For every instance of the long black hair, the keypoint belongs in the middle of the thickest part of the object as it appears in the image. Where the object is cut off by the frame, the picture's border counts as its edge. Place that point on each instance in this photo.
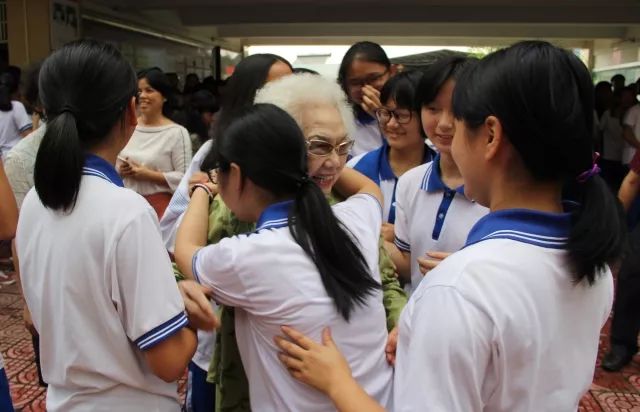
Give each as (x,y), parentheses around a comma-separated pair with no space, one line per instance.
(277,162)
(8,86)
(159,81)
(240,91)
(543,96)
(85,88)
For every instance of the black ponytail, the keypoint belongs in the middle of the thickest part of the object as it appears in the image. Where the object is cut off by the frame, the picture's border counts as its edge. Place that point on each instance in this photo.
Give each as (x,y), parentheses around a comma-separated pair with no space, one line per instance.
(85,88)
(543,97)
(277,162)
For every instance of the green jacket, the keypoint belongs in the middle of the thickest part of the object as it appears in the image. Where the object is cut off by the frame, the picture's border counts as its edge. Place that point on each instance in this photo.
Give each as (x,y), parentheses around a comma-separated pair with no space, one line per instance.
(226,370)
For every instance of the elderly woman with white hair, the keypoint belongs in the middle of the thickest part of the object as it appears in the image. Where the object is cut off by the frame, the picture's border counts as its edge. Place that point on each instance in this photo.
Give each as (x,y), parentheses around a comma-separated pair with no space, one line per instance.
(321,110)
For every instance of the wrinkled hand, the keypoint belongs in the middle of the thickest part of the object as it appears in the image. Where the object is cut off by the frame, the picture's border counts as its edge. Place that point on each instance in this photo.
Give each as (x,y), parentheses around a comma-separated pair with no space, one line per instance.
(197,305)
(321,366)
(129,168)
(431,260)
(370,100)
(388,232)
(392,346)
(28,322)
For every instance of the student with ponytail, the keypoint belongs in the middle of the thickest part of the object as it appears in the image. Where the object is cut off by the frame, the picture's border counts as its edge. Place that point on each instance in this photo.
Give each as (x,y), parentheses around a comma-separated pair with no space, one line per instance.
(306,265)
(100,287)
(497,325)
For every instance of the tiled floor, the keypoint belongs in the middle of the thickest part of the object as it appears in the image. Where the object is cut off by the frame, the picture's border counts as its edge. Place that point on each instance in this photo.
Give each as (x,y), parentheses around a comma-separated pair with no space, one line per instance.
(610,392)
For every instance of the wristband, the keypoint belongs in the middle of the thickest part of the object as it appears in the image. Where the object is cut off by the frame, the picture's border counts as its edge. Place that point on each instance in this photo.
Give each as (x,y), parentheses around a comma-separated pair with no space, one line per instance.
(205,188)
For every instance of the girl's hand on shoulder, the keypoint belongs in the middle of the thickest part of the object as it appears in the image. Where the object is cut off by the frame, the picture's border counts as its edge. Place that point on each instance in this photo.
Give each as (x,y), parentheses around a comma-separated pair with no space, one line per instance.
(431,260)
(321,366)
(196,302)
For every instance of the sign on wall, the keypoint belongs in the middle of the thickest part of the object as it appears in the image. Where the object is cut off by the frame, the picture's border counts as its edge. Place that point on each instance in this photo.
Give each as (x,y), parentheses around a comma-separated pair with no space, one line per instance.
(65,22)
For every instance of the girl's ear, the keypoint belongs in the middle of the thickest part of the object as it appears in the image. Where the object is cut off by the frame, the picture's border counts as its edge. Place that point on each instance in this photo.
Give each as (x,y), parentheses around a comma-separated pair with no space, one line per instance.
(495,136)
(236,179)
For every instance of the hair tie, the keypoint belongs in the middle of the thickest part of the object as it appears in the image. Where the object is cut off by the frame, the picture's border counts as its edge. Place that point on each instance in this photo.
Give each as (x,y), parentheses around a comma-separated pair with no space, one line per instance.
(588,174)
(67,109)
(302,181)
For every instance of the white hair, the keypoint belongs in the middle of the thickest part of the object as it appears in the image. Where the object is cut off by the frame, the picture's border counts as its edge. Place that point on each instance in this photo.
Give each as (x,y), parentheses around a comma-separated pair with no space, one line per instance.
(292,93)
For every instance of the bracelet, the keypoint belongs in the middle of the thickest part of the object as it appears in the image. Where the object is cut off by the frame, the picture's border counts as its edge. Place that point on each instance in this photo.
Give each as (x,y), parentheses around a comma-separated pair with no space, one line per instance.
(204,187)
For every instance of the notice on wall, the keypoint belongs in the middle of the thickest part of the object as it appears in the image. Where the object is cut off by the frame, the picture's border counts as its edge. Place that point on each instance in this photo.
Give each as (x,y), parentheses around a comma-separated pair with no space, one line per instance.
(65,22)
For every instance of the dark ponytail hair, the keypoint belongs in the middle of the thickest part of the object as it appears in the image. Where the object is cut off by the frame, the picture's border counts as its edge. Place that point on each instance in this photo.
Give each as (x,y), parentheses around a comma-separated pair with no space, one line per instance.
(277,162)
(240,91)
(543,96)
(85,88)
(8,86)
(159,81)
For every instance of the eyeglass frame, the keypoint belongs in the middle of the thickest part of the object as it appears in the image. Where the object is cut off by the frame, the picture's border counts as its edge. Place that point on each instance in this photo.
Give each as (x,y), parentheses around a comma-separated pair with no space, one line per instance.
(392,114)
(334,147)
(355,83)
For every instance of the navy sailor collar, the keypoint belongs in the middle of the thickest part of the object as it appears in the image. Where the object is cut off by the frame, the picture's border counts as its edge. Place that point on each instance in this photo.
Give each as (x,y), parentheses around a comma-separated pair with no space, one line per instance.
(376,166)
(544,229)
(432,181)
(275,216)
(97,166)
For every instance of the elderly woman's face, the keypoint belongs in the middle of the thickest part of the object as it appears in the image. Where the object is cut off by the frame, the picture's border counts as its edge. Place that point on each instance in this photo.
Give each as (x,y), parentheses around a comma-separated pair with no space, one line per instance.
(323,123)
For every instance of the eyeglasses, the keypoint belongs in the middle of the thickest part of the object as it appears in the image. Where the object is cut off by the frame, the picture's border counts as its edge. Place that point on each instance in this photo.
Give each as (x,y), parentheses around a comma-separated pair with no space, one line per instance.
(319,147)
(384,115)
(370,79)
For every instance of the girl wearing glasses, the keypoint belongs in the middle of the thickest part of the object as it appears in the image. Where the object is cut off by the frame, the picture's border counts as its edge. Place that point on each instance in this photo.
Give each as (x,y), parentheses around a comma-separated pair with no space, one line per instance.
(404,148)
(433,214)
(303,265)
(512,321)
(365,68)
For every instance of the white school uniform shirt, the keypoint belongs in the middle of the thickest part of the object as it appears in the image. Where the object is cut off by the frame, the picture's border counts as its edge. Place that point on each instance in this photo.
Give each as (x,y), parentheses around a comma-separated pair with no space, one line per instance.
(375,165)
(12,124)
(180,199)
(100,290)
(367,136)
(430,216)
(500,325)
(271,282)
(166,149)
(631,119)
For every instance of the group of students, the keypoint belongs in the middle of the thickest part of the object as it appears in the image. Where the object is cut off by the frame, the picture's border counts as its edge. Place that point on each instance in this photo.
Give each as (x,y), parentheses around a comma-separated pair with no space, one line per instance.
(504,211)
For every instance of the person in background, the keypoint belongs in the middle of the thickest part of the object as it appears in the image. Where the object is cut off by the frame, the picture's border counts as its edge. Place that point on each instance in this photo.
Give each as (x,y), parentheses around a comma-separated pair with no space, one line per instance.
(630,125)
(200,117)
(433,212)
(106,271)
(365,68)
(617,82)
(15,123)
(614,148)
(8,224)
(404,147)
(495,325)
(625,325)
(159,152)
(32,98)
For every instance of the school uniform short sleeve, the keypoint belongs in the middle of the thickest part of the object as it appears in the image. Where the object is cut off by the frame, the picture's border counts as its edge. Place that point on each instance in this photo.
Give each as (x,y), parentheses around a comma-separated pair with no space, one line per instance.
(12,124)
(496,324)
(151,310)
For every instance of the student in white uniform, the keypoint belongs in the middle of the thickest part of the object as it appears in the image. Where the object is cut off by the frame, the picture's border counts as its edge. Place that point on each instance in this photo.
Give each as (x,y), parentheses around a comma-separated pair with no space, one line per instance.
(301,266)
(512,321)
(404,148)
(433,214)
(365,68)
(100,287)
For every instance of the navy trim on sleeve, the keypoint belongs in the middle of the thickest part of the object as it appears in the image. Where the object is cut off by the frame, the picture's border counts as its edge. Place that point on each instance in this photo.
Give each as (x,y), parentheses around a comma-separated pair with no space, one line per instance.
(162,332)
(194,266)
(402,245)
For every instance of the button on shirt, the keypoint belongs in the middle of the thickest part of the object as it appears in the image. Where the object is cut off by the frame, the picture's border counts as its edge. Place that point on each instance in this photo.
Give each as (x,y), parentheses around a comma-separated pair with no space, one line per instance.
(101,290)
(271,281)
(501,325)
(430,216)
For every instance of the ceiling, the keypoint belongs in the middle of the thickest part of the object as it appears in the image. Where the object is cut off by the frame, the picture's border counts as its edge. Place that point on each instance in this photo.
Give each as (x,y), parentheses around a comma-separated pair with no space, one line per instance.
(236,23)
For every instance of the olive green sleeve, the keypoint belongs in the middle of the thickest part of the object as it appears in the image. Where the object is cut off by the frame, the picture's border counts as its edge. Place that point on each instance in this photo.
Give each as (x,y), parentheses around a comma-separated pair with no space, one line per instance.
(393,296)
